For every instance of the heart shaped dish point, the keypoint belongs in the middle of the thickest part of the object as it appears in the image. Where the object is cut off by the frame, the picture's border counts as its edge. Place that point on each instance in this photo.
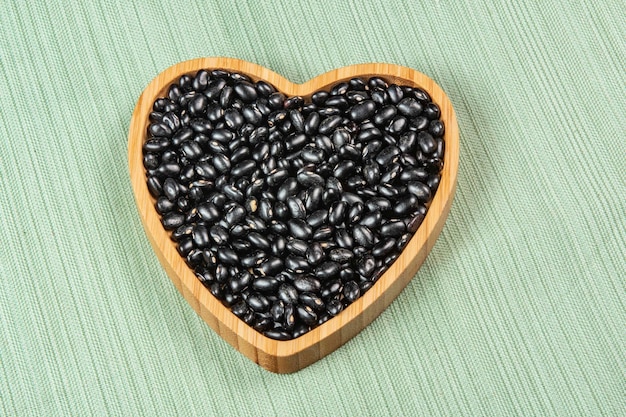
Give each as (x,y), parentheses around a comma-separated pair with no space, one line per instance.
(286,356)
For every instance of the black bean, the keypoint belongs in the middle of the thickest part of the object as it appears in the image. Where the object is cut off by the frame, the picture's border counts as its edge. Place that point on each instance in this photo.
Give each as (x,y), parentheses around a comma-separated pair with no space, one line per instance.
(309,178)
(372,219)
(312,123)
(362,111)
(327,270)
(228,256)
(344,239)
(366,266)
(245,91)
(334,307)
(311,300)
(299,229)
(296,208)
(431,111)
(426,142)
(312,154)
(306,314)
(387,155)
(406,205)
(258,303)
(307,284)
(337,213)
(314,253)
(317,218)
(267,285)
(287,293)
(351,291)
(340,255)
(383,247)
(393,228)
(323,233)
(297,247)
(363,236)
(326,126)
(271,266)
(172,221)
(288,188)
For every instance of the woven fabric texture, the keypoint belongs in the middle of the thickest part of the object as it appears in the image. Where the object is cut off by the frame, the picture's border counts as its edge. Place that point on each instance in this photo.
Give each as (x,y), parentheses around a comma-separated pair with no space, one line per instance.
(520,309)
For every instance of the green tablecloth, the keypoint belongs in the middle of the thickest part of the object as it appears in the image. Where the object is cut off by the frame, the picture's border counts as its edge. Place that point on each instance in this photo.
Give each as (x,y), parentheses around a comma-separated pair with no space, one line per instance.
(519,309)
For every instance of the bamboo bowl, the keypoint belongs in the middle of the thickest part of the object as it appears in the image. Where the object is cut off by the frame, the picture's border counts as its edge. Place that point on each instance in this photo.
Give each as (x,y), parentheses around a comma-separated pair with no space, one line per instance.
(292,355)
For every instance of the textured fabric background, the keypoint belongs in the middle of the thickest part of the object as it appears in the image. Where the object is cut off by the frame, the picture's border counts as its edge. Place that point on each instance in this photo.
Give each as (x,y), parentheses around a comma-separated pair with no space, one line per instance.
(519,309)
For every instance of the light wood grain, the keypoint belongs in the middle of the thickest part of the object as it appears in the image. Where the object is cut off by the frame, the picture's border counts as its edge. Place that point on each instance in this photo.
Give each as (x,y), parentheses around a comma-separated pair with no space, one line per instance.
(290,356)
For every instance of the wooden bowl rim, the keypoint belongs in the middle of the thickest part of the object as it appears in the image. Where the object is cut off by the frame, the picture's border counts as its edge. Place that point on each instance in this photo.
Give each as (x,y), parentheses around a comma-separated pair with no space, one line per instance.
(220,318)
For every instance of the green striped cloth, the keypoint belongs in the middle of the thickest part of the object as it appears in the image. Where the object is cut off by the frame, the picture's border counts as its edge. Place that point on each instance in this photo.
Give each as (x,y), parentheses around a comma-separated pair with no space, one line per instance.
(518,310)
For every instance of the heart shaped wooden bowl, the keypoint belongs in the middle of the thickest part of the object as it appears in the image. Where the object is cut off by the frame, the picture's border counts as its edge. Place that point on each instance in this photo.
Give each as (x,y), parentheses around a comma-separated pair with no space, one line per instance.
(292,355)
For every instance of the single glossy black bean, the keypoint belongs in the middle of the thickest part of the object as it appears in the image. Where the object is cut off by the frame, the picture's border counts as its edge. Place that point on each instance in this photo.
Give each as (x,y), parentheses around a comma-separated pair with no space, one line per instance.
(331,289)
(331,195)
(240,309)
(312,123)
(344,239)
(261,152)
(334,307)
(219,234)
(295,142)
(419,190)
(369,134)
(327,270)
(296,208)
(233,193)
(317,218)
(289,321)
(363,236)
(170,188)
(277,334)
(326,126)
(271,266)
(433,182)
(307,284)
(324,143)
(168,169)
(233,119)
(276,177)
(309,178)
(410,107)
(259,241)
(299,228)
(297,247)
(279,245)
(362,111)
(431,111)
(245,91)
(388,155)
(315,253)
(395,93)
(265,210)
(164,205)
(243,168)
(393,228)
(172,221)
(258,303)
(351,291)
(420,123)
(306,314)
(366,266)
(323,233)
(227,256)
(406,205)
(221,162)
(398,125)
(287,293)
(288,188)
(200,236)
(281,211)
(340,255)
(426,142)
(311,300)
(372,219)
(235,214)
(383,247)
(436,128)
(337,213)
(266,285)
(320,97)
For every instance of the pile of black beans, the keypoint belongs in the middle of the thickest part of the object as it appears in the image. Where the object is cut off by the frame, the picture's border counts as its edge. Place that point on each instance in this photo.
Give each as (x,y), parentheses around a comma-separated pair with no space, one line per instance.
(288,209)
